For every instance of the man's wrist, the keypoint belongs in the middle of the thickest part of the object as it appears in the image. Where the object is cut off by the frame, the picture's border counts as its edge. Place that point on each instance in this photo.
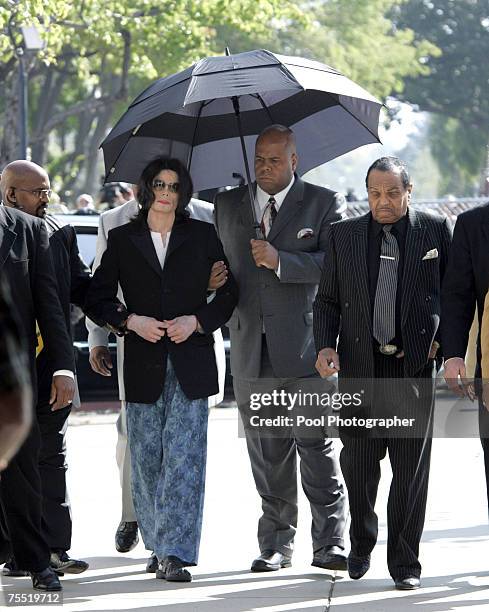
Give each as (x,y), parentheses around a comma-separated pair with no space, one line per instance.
(127,325)
(67,373)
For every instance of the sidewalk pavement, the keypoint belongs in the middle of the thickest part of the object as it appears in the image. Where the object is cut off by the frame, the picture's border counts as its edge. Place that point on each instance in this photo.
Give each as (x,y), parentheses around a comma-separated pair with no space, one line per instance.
(454,550)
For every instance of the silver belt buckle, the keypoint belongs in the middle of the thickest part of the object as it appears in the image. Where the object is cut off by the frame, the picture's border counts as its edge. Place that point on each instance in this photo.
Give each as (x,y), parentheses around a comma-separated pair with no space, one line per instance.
(388,349)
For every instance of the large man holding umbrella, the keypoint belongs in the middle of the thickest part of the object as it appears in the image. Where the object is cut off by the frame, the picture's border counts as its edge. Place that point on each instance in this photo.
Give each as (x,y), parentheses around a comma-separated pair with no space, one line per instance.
(272,347)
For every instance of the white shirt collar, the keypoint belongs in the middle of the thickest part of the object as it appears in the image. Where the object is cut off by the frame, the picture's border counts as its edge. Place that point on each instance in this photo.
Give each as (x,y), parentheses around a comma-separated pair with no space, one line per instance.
(262,197)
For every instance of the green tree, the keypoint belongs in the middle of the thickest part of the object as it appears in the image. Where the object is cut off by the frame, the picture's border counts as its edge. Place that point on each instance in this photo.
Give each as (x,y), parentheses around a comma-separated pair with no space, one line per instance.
(456,86)
(98,55)
(356,37)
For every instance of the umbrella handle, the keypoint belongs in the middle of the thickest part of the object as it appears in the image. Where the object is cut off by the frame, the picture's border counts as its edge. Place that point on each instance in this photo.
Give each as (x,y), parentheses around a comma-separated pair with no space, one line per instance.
(256,225)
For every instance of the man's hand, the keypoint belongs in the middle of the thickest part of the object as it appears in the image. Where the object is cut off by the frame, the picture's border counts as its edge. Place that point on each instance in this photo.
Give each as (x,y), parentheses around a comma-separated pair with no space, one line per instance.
(328,362)
(218,277)
(148,328)
(455,367)
(100,360)
(264,254)
(180,328)
(62,392)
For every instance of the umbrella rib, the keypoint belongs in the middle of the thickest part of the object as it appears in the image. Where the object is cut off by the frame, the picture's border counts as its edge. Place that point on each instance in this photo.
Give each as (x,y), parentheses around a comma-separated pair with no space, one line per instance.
(193,136)
(262,102)
(112,166)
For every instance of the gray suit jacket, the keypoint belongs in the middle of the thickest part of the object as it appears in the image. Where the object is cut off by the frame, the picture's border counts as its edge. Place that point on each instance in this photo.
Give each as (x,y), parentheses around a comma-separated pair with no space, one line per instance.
(281,306)
(98,336)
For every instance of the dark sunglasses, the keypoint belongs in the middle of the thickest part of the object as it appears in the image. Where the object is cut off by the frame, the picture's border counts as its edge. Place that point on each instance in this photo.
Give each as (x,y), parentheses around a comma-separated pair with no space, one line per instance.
(162,186)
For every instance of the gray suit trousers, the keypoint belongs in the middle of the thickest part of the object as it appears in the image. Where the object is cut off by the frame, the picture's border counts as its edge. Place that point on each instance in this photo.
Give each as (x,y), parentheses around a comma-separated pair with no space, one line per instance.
(274,467)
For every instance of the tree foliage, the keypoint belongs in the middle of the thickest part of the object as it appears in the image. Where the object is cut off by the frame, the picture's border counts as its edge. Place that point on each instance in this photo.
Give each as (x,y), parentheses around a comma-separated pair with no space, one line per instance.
(98,55)
(456,85)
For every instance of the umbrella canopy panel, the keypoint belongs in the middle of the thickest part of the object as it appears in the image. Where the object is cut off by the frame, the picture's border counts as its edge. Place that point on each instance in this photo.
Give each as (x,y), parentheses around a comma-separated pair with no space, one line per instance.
(191,116)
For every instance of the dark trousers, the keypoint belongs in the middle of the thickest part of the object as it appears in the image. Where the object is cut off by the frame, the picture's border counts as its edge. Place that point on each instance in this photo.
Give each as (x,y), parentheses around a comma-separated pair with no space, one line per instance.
(36,515)
(273,457)
(20,489)
(56,512)
(484,437)
(410,461)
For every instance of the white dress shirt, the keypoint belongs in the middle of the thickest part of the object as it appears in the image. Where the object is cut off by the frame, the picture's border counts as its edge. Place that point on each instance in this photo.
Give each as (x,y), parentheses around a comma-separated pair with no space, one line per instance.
(263,210)
(160,246)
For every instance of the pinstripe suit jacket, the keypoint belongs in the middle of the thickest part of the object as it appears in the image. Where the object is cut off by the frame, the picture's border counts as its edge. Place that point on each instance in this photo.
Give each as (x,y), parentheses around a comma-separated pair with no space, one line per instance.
(343,307)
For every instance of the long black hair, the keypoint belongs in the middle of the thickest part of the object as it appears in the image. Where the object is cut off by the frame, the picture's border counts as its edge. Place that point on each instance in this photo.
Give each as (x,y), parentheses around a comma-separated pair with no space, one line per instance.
(145,194)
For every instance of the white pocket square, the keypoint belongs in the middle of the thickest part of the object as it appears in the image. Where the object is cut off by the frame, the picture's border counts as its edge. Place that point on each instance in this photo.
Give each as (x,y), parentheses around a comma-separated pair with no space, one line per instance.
(433,254)
(305,232)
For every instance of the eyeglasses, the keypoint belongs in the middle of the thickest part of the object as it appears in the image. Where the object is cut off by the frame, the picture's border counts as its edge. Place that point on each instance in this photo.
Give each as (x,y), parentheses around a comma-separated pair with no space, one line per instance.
(39,193)
(162,186)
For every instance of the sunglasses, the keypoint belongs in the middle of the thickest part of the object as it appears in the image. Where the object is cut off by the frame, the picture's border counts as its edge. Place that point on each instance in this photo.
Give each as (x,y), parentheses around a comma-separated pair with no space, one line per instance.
(162,186)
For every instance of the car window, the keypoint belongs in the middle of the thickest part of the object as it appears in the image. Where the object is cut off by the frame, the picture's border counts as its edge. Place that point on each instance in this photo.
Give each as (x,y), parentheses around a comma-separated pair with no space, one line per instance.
(86,246)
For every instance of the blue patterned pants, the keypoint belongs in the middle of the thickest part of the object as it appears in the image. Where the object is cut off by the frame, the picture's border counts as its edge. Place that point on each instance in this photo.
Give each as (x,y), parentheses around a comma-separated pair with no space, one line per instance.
(168,443)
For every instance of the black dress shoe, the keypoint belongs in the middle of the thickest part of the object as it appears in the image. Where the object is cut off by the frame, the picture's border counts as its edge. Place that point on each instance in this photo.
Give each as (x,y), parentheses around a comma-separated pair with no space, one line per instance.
(11,569)
(126,536)
(152,564)
(61,563)
(47,580)
(358,566)
(330,557)
(270,561)
(172,569)
(408,583)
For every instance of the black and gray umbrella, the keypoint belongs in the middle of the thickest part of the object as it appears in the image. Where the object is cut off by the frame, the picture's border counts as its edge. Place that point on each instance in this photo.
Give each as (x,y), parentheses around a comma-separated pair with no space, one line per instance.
(210,114)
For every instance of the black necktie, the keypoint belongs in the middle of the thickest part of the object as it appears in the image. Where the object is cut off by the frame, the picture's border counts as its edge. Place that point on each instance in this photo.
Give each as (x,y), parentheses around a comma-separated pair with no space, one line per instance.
(384,321)
(273,213)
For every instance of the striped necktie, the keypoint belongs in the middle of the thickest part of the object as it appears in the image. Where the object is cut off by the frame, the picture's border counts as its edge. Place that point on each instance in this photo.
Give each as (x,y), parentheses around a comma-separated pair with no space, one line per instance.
(384,319)
(270,212)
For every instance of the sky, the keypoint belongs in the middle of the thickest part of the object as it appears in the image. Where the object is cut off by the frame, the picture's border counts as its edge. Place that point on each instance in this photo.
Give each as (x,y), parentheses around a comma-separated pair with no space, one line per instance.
(348,171)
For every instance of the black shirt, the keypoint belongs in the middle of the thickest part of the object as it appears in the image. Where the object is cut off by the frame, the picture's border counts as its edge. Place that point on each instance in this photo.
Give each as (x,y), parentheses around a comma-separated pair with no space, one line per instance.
(375,234)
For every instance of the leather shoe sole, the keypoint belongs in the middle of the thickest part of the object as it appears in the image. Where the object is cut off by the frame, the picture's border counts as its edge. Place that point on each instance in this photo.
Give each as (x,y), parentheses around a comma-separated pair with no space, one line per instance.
(409,583)
(331,562)
(262,565)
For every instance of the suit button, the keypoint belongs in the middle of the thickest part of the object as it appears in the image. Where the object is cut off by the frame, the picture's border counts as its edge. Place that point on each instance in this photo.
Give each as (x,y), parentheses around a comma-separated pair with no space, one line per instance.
(428,298)
(423,331)
(357,339)
(347,304)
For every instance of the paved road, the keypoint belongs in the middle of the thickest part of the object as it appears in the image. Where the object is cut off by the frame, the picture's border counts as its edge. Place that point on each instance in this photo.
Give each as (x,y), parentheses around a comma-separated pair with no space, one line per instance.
(454,550)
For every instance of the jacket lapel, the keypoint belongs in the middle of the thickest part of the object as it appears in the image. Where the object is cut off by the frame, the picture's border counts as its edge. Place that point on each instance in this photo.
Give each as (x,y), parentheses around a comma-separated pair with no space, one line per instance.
(245,217)
(178,236)
(141,238)
(413,252)
(7,236)
(290,207)
(359,248)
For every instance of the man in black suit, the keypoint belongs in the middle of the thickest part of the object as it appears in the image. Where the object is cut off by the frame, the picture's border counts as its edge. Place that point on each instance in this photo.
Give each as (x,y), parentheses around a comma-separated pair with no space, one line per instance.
(380,292)
(72,279)
(465,285)
(15,392)
(25,260)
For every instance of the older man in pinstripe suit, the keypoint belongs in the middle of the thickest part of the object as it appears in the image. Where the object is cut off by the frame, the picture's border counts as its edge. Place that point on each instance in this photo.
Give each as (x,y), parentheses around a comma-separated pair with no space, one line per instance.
(380,292)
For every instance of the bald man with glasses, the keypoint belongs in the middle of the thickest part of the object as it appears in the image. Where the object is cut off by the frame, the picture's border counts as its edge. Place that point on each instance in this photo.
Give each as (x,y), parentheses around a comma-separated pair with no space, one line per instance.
(42,295)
